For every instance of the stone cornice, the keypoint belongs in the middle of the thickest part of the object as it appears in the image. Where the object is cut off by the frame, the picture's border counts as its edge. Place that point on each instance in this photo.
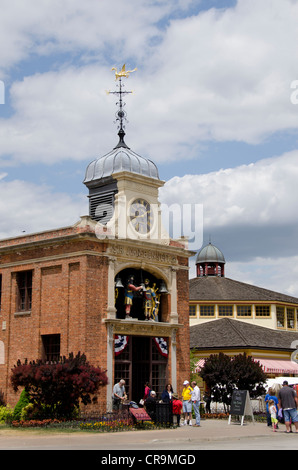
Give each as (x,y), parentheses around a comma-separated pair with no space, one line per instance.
(142,328)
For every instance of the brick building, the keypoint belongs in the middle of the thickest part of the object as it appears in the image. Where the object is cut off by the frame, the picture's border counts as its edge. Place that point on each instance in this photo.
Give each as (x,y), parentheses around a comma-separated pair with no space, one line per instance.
(63,290)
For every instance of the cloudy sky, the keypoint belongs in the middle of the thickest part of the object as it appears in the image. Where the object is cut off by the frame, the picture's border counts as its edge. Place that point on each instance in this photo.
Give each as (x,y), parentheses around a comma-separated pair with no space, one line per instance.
(214,105)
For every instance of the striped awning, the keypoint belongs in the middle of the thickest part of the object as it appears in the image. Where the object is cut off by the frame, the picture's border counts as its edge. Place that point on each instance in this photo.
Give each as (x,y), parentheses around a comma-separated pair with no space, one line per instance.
(199,364)
(269,366)
(275,366)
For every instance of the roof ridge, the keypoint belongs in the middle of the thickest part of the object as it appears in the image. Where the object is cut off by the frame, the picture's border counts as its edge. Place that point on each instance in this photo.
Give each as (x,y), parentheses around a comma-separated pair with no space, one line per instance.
(234,326)
(260,288)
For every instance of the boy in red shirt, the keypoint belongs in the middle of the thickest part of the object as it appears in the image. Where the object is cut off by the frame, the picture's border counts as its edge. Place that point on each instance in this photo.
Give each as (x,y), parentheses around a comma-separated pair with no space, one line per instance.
(177,407)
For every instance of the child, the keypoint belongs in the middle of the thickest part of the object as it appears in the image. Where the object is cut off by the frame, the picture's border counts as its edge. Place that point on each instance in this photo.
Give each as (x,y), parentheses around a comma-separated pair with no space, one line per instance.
(177,407)
(273,413)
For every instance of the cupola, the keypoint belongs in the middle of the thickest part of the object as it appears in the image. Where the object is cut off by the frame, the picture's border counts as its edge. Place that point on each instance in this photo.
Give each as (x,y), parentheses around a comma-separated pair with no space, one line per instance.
(210,261)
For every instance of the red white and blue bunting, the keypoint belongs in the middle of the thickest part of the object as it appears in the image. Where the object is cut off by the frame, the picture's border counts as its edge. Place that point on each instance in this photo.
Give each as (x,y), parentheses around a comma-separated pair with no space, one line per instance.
(121,342)
(162,346)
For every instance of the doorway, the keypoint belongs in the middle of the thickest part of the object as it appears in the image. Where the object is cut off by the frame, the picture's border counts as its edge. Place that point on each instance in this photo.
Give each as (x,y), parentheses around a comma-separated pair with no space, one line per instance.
(141,362)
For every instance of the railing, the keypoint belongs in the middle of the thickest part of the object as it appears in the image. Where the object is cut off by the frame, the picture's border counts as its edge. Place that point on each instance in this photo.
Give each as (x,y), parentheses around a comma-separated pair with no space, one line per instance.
(161,414)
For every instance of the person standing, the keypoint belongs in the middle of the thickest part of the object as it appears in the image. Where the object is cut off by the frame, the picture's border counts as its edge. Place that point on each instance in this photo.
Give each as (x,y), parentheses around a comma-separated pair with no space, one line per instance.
(270,396)
(147,390)
(196,398)
(119,394)
(166,395)
(177,407)
(187,403)
(273,413)
(288,401)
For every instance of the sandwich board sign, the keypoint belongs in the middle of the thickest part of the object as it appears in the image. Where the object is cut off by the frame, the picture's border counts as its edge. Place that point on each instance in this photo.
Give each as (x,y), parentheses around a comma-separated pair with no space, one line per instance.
(241,405)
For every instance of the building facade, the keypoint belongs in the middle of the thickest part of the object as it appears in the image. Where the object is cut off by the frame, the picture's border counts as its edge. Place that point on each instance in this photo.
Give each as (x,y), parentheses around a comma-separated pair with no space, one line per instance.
(275,350)
(233,317)
(70,289)
(213,296)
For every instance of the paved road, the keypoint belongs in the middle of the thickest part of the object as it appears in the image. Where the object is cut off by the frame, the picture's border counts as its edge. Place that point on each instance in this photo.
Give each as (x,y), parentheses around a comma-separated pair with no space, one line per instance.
(212,435)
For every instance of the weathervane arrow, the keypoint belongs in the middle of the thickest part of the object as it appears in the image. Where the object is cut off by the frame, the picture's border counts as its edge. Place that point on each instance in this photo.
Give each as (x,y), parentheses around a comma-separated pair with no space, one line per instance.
(121,114)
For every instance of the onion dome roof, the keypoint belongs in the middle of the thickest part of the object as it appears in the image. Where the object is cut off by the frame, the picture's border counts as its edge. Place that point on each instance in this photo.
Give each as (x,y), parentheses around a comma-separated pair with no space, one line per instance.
(210,254)
(120,159)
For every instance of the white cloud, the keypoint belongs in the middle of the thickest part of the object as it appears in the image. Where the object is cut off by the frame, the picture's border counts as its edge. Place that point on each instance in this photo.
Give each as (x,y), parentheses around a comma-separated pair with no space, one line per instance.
(45,27)
(277,274)
(258,194)
(59,116)
(225,75)
(218,75)
(250,212)
(26,207)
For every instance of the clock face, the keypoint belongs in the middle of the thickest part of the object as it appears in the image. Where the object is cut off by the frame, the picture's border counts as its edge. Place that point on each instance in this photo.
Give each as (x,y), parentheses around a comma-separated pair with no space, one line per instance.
(141,216)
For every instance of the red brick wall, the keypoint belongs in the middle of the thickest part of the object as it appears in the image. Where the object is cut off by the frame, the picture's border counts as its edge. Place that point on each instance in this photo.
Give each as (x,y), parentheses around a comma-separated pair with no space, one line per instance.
(182,348)
(69,297)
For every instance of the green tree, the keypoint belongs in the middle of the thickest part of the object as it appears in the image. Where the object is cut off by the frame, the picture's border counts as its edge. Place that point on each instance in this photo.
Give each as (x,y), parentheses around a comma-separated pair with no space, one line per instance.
(59,387)
(24,400)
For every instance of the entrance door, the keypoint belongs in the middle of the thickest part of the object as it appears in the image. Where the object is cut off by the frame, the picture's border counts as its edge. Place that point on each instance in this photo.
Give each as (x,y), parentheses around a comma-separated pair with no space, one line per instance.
(141,362)
(140,366)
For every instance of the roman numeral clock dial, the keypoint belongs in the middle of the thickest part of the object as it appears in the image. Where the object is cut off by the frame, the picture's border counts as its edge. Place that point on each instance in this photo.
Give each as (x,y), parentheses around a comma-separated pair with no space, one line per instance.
(141,217)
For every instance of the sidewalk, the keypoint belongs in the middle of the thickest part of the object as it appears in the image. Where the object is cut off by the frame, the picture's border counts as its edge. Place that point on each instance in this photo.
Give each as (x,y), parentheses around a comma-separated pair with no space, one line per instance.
(211,431)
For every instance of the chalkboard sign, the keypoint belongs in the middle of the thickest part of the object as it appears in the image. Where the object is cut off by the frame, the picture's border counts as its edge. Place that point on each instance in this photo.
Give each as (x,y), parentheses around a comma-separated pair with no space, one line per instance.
(238,402)
(241,405)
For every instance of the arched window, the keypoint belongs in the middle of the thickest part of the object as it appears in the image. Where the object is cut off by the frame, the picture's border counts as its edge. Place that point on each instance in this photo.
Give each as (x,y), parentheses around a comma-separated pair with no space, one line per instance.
(138,298)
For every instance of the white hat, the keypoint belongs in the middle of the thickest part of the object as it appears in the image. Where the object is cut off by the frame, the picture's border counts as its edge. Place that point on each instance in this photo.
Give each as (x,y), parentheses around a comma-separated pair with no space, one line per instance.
(185,382)
(152,392)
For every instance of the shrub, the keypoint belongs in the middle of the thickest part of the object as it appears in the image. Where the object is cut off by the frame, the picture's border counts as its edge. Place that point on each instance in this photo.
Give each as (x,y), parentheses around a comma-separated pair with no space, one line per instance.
(6,414)
(57,388)
(24,400)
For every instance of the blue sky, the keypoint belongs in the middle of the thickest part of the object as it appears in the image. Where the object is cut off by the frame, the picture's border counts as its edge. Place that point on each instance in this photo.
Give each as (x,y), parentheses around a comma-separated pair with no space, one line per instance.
(212,106)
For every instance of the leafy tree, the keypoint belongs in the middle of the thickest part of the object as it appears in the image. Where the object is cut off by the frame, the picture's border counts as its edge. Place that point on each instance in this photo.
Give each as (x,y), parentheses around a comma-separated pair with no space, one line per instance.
(217,373)
(61,385)
(248,375)
(224,374)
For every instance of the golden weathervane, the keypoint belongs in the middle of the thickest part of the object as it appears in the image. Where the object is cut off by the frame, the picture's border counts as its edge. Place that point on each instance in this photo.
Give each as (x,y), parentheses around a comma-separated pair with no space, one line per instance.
(122,72)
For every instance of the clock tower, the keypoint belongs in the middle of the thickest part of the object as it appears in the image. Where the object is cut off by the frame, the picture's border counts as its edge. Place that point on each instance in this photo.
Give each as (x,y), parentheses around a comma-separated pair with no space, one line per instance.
(123,190)
(125,212)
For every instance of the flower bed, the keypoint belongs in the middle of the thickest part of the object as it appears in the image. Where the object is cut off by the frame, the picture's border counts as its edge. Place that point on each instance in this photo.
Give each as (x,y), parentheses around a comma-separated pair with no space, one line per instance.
(108,426)
(34,423)
(100,425)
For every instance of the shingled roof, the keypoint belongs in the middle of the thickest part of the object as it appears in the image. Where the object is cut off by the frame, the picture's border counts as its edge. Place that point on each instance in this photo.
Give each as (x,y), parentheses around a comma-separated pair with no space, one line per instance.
(228,333)
(216,288)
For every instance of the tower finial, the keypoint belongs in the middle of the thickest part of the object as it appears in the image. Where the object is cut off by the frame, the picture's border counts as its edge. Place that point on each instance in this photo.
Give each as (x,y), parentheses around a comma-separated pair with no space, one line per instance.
(121,114)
